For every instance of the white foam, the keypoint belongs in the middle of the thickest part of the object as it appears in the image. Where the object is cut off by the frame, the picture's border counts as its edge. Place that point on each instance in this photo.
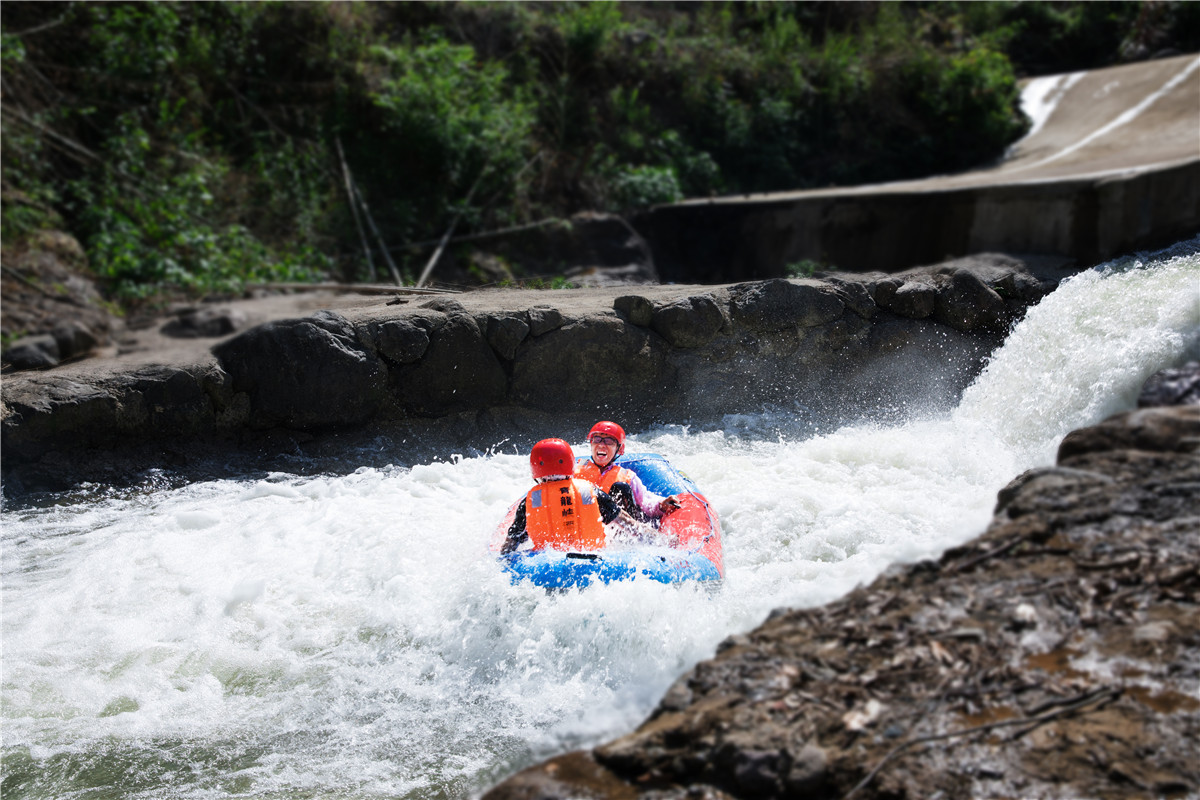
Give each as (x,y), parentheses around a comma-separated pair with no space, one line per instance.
(349,634)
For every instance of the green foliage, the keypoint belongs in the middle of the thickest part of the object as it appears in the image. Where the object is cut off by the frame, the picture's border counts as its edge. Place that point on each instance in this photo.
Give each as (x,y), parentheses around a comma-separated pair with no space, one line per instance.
(644,186)
(442,102)
(557,282)
(806,268)
(12,50)
(150,223)
(194,146)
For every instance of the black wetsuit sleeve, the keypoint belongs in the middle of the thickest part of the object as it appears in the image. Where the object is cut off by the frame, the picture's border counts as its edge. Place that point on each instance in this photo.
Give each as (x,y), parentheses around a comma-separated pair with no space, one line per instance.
(609,510)
(517,533)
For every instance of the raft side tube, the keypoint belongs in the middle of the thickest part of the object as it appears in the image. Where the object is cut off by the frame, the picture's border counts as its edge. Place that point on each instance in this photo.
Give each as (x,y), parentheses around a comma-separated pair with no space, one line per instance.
(554,569)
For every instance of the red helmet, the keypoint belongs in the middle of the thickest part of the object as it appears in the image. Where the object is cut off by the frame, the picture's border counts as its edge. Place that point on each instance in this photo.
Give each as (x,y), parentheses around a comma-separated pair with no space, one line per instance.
(552,457)
(606,428)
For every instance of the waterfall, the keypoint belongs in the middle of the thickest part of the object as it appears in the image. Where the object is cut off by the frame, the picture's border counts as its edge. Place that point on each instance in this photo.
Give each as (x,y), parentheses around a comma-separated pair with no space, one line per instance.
(289,636)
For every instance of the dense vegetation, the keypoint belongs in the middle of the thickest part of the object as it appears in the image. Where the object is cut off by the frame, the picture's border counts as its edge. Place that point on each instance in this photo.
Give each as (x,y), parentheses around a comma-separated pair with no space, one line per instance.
(196,146)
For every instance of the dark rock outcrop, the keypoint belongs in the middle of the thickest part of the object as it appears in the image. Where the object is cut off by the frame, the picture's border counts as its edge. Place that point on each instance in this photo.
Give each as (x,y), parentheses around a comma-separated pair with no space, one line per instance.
(832,345)
(53,311)
(193,323)
(459,370)
(769,306)
(1172,387)
(304,373)
(1057,655)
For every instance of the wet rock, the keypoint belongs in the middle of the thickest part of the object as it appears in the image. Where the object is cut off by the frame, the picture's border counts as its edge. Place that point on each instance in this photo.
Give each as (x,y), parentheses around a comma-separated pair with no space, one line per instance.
(505,333)
(883,290)
(1172,387)
(543,319)
(400,341)
(33,352)
(687,323)
(599,363)
(635,308)
(154,403)
(459,370)
(205,323)
(304,373)
(773,305)
(665,350)
(42,409)
(1169,429)
(966,303)
(856,295)
(912,299)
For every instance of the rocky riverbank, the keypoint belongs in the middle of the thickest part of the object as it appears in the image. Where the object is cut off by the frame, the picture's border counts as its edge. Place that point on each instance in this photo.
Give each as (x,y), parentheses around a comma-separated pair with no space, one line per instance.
(1057,655)
(833,346)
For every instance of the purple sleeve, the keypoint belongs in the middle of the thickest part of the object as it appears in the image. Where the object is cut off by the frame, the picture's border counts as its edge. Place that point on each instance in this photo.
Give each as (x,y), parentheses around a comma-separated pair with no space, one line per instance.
(647,500)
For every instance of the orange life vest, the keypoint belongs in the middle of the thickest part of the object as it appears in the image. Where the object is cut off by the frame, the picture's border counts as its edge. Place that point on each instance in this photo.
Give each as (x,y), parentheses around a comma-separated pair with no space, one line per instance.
(589,472)
(563,515)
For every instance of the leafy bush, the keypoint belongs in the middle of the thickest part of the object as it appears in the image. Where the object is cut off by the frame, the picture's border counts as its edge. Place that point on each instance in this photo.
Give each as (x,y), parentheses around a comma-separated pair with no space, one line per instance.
(149,222)
(644,186)
(195,146)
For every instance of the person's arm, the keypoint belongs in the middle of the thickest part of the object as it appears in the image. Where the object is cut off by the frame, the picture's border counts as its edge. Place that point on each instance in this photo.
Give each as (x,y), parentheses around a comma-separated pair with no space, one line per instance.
(651,504)
(611,512)
(609,509)
(517,533)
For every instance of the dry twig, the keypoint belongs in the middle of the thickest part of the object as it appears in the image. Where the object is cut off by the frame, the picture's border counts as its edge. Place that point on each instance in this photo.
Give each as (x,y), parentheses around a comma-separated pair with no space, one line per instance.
(1084,700)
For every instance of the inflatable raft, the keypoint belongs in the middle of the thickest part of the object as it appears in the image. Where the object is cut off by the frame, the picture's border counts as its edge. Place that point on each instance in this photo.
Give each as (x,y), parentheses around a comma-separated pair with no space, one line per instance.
(687,546)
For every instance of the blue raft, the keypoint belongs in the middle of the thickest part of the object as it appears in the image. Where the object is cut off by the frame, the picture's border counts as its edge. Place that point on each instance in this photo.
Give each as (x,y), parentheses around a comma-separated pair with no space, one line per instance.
(690,549)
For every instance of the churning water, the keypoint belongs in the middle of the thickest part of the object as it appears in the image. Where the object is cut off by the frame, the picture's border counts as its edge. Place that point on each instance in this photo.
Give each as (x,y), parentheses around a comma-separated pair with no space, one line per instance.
(347,635)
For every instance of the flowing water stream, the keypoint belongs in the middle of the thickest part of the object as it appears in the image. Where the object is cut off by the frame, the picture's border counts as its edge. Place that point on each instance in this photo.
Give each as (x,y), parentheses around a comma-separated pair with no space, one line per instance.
(346,634)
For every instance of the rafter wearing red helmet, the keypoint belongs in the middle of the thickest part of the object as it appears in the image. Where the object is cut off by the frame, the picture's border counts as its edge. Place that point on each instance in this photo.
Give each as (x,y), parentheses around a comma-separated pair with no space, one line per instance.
(607,441)
(561,512)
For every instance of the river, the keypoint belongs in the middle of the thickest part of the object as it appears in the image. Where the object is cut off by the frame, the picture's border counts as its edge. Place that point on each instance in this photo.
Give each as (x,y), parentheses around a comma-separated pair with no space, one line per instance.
(346,634)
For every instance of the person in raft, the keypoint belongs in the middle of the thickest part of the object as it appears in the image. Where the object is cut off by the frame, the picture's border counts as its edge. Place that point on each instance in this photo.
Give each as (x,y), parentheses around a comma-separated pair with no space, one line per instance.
(562,512)
(607,440)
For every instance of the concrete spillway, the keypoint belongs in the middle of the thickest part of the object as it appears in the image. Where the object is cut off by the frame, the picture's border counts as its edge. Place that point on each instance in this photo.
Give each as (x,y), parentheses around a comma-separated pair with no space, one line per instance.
(1111,164)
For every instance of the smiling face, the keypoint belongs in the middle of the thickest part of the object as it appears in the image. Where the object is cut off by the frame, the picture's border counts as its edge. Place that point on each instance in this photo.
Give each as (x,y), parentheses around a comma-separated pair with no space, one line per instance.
(604,449)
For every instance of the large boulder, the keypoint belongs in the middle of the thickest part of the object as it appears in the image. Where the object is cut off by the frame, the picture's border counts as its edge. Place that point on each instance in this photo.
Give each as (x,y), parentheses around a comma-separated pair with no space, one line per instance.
(769,306)
(205,322)
(1172,387)
(596,364)
(48,292)
(307,373)
(399,341)
(47,412)
(690,322)
(458,371)
(967,303)
(912,299)
(1161,429)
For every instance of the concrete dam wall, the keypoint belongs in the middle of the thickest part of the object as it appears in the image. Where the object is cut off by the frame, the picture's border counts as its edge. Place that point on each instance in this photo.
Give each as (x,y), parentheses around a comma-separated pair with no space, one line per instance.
(1111,165)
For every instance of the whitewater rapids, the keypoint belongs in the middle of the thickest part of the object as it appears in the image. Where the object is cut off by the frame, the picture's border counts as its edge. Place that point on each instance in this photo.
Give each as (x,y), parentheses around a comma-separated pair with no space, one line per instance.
(347,634)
